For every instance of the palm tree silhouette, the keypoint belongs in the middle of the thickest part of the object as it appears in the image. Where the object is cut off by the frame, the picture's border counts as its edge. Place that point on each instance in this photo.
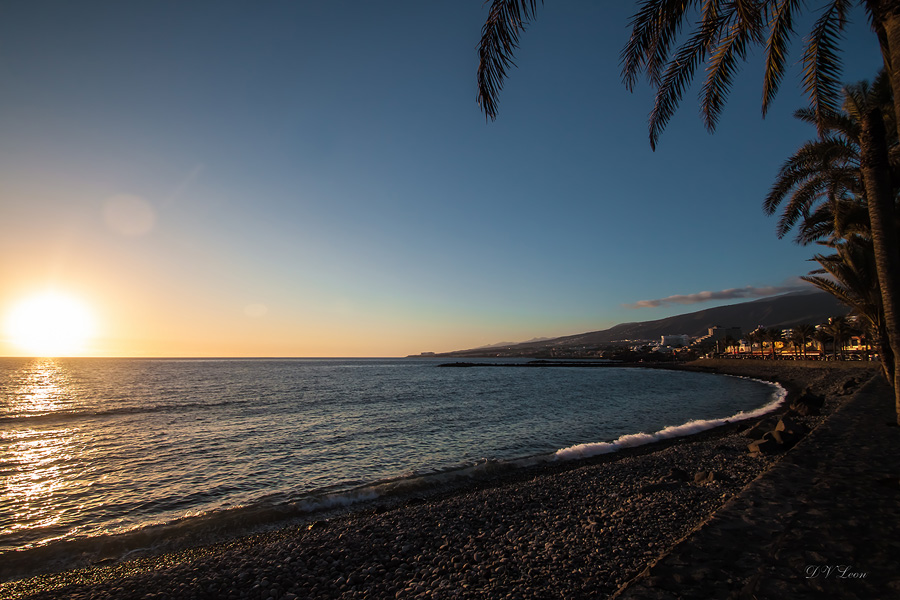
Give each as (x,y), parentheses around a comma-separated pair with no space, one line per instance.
(821,185)
(839,330)
(760,335)
(801,335)
(773,336)
(852,279)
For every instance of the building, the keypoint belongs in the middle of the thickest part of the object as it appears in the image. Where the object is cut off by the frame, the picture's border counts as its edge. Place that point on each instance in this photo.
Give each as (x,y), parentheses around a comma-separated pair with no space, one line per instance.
(675,340)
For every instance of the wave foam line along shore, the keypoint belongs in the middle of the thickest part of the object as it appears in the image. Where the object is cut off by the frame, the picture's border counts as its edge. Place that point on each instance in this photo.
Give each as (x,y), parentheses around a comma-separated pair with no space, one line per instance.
(576,529)
(632,440)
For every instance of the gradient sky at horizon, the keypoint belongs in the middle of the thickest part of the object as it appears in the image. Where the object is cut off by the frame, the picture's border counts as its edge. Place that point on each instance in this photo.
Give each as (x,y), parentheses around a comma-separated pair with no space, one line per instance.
(316,179)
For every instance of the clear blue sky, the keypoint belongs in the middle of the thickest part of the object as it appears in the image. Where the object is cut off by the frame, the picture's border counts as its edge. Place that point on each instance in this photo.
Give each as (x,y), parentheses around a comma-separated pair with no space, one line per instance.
(316,178)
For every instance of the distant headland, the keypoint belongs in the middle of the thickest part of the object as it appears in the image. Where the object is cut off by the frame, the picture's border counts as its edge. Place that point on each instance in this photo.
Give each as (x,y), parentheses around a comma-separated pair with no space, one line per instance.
(735,320)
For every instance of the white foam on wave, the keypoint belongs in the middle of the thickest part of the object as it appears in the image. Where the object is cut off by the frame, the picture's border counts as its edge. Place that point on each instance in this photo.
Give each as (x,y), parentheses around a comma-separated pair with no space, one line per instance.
(672,431)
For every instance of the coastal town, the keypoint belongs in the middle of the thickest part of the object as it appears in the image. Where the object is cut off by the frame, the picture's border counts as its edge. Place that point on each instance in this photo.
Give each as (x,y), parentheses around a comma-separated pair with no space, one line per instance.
(838,338)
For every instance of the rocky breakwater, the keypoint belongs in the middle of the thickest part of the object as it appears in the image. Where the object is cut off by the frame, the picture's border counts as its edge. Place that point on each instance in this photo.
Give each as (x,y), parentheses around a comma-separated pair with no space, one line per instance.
(570,530)
(781,433)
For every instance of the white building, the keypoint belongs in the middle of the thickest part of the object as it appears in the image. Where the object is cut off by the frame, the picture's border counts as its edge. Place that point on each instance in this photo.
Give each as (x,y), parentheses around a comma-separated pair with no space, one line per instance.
(675,340)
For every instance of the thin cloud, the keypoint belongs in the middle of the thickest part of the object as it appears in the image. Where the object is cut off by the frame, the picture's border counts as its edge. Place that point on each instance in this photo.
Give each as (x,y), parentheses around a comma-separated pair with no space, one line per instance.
(731,294)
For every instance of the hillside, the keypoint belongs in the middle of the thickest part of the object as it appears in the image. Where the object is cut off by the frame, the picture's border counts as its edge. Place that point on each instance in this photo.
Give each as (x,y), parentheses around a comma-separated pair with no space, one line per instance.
(778,312)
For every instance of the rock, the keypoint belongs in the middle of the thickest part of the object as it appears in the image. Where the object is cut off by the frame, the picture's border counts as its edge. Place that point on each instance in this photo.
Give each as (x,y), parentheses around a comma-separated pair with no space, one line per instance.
(803,409)
(788,425)
(659,486)
(757,431)
(812,399)
(785,424)
(849,385)
(676,474)
(808,404)
(766,445)
(890,482)
(710,476)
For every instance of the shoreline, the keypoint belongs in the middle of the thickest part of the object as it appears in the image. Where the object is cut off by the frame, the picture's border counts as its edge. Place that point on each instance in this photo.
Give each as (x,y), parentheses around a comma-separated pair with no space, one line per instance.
(580,528)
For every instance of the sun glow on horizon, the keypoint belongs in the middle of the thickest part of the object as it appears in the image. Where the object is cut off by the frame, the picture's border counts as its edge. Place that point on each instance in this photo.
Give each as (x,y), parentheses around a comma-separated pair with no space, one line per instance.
(51,324)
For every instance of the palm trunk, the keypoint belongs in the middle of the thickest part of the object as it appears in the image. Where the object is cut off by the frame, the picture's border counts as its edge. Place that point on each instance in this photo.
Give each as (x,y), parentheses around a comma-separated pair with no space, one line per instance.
(875,171)
(887,365)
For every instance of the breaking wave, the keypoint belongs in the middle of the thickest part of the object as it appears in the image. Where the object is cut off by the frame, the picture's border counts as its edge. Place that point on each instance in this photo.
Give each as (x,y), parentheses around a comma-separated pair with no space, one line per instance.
(631,440)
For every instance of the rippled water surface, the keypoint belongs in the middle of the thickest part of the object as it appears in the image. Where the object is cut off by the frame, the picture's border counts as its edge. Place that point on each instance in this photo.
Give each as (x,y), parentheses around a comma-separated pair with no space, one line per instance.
(93,447)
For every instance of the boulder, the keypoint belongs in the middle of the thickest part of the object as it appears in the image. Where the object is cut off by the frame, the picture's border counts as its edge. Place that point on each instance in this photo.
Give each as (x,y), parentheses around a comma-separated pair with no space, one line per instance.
(659,486)
(676,474)
(808,403)
(849,385)
(757,431)
(786,433)
(775,435)
(766,445)
(785,439)
(709,476)
(805,407)
(792,427)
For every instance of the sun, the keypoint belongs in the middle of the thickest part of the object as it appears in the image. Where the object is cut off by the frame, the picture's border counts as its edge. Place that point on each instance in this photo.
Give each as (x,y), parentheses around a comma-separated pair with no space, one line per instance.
(51,324)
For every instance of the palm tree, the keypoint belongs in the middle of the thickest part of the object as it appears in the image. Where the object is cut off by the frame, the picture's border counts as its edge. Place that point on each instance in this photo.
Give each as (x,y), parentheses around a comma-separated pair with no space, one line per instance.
(851,278)
(721,38)
(821,337)
(760,335)
(839,330)
(800,336)
(728,342)
(773,336)
(752,337)
(828,171)
(821,186)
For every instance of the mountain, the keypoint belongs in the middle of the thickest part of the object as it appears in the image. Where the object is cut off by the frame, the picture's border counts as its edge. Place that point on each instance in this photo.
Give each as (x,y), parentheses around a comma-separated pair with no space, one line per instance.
(507,344)
(778,312)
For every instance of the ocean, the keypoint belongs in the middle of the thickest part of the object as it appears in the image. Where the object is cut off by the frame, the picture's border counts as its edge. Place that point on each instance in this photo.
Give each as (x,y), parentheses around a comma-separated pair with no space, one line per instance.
(103,459)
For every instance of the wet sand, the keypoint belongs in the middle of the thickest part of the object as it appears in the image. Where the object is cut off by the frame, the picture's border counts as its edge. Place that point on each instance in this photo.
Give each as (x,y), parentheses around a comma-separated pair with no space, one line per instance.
(626,523)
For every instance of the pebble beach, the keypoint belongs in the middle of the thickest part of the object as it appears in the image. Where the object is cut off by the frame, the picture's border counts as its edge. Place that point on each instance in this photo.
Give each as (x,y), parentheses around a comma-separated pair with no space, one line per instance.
(689,517)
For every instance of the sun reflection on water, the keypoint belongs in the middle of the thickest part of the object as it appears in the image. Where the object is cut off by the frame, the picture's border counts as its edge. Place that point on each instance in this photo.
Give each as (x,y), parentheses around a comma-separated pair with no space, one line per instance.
(42,389)
(34,458)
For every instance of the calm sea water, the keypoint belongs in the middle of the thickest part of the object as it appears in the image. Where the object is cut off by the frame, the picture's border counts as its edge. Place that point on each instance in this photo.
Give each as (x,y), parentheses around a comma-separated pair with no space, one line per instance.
(103,457)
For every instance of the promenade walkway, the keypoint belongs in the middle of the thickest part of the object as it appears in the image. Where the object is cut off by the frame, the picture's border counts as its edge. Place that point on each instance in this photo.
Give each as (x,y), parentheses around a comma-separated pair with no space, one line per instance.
(823,522)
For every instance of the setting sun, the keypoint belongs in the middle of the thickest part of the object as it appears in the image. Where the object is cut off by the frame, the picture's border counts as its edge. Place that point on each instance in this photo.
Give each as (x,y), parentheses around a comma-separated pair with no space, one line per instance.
(50,324)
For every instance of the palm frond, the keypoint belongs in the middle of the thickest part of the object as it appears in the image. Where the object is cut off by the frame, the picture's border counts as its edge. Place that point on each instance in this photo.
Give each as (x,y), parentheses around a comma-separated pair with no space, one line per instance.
(853,278)
(781,28)
(801,201)
(743,27)
(831,122)
(750,14)
(793,172)
(821,63)
(654,28)
(833,156)
(837,290)
(817,227)
(844,216)
(499,41)
(677,77)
